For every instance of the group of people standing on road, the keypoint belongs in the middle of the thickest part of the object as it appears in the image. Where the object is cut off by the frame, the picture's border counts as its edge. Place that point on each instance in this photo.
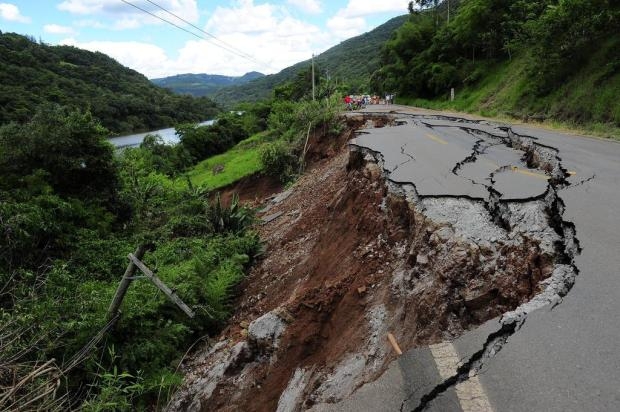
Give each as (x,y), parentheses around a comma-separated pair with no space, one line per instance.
(355,102)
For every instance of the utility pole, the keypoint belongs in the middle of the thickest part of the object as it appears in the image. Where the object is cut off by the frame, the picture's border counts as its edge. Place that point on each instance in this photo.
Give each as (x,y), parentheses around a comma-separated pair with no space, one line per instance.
(125,282)
(313,87)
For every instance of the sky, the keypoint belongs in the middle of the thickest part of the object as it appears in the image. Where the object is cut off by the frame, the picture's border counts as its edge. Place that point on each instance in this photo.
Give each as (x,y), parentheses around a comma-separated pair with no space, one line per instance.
(230,37)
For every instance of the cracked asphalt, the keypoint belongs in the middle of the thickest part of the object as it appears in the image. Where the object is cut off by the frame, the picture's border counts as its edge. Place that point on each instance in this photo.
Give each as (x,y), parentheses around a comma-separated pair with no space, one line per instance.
(559,354)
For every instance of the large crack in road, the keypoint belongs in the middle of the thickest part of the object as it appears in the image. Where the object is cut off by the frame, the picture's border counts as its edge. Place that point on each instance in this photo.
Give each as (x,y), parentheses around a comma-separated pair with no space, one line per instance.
(507,215)
(414,232)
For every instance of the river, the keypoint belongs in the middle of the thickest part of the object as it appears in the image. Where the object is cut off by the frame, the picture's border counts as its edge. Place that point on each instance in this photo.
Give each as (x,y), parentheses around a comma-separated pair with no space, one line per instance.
(134,140)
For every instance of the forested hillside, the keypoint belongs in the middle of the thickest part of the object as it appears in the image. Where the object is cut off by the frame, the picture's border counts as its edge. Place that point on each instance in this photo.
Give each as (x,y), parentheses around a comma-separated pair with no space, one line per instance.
(202,84)
(348,64)
(122,99)
(72,209)
(557,59)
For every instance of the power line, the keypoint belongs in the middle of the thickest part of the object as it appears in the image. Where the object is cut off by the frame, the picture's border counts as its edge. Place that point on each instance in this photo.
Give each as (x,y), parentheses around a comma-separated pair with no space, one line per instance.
(237,53)
(232,48)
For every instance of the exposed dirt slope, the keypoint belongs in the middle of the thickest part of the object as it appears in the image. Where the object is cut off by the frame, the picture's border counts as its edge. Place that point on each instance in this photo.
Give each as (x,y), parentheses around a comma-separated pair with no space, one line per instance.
(347,262)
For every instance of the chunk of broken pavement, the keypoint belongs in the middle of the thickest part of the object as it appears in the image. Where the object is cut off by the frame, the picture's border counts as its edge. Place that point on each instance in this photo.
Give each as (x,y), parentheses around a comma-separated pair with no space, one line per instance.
(421,259)
(264,333)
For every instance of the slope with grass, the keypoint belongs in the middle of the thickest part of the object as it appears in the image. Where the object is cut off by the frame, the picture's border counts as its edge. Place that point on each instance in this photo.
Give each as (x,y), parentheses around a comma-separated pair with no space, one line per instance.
(227,168)
(557,61)
(587,101)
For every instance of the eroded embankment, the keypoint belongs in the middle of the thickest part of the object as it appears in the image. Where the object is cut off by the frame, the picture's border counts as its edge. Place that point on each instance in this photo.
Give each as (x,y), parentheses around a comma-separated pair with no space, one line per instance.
(352,257)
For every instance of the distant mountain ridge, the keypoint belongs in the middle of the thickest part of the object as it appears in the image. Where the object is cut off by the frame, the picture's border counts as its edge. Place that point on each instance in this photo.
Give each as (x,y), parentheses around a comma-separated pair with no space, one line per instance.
(202,84)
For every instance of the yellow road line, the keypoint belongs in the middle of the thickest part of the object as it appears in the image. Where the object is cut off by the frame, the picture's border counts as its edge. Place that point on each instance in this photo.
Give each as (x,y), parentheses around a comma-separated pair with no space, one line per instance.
(523,171)
(528,173)
(470,393)
(435,138)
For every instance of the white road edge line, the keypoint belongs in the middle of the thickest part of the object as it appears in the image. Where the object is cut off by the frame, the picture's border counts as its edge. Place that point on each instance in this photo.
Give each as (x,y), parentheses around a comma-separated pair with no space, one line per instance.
(470,393)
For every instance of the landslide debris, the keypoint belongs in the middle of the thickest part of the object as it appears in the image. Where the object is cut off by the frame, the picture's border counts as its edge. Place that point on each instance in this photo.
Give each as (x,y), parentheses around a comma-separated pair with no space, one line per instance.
(351,257)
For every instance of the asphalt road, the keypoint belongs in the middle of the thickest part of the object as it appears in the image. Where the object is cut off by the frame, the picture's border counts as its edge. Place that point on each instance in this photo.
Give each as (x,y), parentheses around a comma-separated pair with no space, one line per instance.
(564,357)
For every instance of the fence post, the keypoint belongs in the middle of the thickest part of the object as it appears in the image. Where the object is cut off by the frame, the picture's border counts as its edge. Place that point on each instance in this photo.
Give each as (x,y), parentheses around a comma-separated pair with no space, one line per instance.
(125,282)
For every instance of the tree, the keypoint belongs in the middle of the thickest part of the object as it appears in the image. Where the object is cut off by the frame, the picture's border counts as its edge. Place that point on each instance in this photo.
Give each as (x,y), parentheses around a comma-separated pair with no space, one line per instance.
(67,149)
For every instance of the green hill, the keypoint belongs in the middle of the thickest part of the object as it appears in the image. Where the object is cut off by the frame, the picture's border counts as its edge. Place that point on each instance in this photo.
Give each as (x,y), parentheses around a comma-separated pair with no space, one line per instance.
(352,62)
(545,59)
(202,84)
(123,100)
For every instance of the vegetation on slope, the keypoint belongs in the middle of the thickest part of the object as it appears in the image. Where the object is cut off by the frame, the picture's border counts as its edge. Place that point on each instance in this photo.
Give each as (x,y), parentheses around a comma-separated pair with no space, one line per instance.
(72,209)
(348,64)
(122,99)
(554,59)
(71,212)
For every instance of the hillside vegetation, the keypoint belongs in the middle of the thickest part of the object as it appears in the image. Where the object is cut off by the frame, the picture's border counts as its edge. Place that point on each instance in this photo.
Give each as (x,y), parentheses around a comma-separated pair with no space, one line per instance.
(72,208)
(122,99)
(202,84)
(551,59)
(349,65)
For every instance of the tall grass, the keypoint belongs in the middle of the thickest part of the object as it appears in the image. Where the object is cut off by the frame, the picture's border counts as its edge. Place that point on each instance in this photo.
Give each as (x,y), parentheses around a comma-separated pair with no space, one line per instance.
(587,102)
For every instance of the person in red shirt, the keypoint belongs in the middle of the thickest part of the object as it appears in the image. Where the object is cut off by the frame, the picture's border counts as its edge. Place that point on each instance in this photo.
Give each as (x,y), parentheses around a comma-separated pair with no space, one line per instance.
(347,101)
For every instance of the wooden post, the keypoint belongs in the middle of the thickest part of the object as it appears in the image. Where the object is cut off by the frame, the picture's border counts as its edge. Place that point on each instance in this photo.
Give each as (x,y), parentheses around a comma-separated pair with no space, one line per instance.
(313,87)
(394,344)
(303,154)
(125,282)
(161,285)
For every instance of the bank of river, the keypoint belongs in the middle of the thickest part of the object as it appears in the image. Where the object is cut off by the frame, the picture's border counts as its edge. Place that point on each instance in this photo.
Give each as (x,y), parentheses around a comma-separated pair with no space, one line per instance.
(133,140)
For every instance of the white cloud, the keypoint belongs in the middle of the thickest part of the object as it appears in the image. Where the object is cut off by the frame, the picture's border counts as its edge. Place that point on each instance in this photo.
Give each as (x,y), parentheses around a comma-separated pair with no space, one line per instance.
(360,8)
(11,12)
(346,27)
(309,6)
(265,31)
(127,16)
(57,29)
(349,21)
(268,34)
(245,18)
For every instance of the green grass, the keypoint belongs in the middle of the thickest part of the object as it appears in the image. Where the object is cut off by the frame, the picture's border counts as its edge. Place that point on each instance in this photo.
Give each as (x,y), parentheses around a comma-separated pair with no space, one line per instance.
(240,161)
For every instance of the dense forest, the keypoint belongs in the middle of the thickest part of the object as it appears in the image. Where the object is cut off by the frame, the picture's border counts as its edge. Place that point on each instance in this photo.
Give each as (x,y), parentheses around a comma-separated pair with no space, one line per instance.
(347,65)
(123,100)
(556,59)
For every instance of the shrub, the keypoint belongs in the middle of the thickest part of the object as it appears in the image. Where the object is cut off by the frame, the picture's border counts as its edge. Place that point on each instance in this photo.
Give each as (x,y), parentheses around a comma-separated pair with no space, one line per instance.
(278,160)
(234,219)
(69,146)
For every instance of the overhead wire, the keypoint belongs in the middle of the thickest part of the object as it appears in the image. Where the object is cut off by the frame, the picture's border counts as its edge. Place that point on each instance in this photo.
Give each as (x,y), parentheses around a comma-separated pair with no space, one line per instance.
(223,44)
(206,32)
